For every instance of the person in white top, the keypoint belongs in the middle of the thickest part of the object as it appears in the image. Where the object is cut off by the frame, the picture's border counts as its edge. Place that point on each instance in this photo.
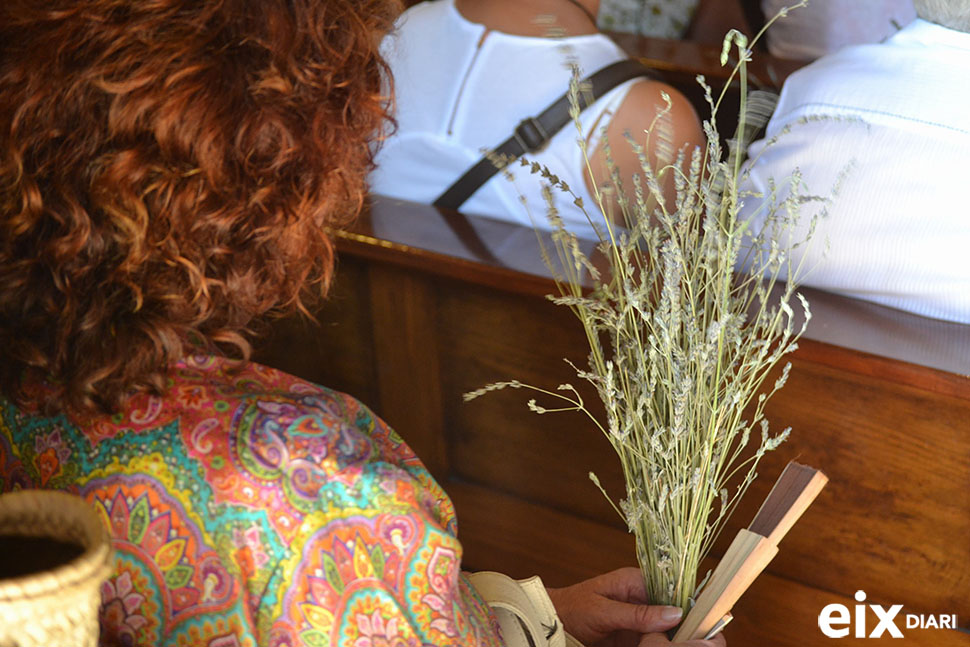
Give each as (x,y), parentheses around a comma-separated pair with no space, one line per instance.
(897,116)
(826,26)
(466,72)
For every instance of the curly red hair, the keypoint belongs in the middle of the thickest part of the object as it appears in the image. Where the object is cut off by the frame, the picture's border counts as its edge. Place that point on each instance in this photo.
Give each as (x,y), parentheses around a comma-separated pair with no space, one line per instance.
(167,170)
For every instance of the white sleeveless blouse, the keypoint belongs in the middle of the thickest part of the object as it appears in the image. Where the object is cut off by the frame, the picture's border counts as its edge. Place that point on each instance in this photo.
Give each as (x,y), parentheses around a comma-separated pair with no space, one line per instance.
(461,89)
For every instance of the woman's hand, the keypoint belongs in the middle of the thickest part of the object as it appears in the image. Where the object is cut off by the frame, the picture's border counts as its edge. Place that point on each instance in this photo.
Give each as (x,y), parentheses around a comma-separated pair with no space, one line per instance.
(611,610)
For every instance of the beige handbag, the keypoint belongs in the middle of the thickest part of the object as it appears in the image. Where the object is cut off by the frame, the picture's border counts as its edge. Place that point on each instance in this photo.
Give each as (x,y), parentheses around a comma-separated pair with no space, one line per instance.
(524,611)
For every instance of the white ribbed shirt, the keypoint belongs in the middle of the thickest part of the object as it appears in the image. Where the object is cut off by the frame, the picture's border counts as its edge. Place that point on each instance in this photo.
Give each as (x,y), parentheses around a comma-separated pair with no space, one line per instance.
(826,26)
(898,232)
(461,89)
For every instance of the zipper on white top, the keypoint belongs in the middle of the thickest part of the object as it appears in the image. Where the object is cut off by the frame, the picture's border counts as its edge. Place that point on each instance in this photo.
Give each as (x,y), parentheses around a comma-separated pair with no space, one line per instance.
(464,81)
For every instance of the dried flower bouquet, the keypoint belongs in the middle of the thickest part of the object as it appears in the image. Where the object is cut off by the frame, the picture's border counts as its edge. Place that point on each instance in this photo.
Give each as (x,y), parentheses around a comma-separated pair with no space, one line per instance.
(680,345)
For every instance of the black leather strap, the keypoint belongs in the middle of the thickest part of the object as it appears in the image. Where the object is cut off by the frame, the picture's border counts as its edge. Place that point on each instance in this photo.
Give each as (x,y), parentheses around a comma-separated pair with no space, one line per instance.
(533,133)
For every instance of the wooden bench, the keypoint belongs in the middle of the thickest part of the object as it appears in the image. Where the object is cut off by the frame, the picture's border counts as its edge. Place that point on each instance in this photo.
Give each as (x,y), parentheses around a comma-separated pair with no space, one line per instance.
(428,306)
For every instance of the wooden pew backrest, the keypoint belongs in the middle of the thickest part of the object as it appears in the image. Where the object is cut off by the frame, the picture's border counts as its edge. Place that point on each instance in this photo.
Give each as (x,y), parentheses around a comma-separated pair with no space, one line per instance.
(878,399)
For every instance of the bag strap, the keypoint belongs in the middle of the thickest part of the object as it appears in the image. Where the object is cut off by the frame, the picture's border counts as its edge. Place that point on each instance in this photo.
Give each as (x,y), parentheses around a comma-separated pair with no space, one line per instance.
(533,133)
(523,609)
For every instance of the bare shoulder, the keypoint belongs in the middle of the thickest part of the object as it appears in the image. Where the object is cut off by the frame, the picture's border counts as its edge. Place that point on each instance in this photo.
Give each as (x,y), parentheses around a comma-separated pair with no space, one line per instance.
(648,99)
(673,126)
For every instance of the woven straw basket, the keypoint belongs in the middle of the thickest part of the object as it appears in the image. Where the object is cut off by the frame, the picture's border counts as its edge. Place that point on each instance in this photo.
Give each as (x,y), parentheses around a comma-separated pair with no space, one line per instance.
(56,607)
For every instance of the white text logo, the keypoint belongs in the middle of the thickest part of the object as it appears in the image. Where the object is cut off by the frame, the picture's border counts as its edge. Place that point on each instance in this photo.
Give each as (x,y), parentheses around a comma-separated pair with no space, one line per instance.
(836,621)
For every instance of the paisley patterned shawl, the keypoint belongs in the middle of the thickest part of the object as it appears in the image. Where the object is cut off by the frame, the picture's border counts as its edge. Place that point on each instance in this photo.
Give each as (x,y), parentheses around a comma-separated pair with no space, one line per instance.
(251,508)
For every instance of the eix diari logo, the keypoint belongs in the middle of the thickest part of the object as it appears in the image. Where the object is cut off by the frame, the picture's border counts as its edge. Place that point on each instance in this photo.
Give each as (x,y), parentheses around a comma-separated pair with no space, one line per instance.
(836,619)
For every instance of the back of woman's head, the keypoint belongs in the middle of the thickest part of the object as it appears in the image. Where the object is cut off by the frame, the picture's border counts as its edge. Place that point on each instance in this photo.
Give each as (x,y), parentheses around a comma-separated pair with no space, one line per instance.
(167,168)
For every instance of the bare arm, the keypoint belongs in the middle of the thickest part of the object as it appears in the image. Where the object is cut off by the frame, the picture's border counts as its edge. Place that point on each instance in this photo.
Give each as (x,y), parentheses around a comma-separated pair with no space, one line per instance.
(663,133)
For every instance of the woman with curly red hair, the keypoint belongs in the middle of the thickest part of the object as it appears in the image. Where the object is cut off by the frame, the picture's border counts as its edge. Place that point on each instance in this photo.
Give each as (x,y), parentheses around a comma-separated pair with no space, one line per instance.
(167,171)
